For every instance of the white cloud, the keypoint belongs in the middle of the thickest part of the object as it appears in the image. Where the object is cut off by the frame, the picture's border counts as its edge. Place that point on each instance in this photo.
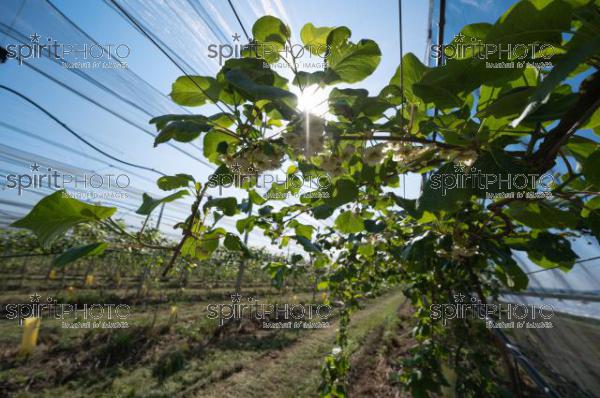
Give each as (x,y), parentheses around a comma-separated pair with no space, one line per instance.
(221,21)
(480,4)
(277,11)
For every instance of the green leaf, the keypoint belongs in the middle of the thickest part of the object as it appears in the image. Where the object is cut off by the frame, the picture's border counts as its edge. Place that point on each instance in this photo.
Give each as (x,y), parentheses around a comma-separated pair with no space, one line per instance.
(374,227)
(263,211)
(349,104)
(221,175)
(348,222)
(417,251)
(168,183)
(162,121)
(245,224)
(270,35)
(251,80)
(301,229)
(437,95)
(593,224)
(591,169)
(447,85)
(512,276)
(496,165)
(278,272)
(306,79)
(181,132)
(549,250)
(590,206)
(254,69)
(222,119)
(349,62)
(57,213)
(531,21)
(507,269)
(322,212)
(346,191)
(234,243)
(76,253)
(489,93)
(366,250)
(413,71)
(256,91)
(569,62)
(307,244)
(594,120)
(218,143)
(256,198)
(508,104)
(149,203)
(542,216)
(202,248)
(227,205)
(345,103)
(560,102)
(304,230)
(315,39)
(195,90)
(444,190)
(409,205)
(270,29)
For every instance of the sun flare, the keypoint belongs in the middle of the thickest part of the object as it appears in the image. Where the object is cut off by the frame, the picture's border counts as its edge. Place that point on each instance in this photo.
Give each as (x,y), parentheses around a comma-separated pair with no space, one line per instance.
(314,100)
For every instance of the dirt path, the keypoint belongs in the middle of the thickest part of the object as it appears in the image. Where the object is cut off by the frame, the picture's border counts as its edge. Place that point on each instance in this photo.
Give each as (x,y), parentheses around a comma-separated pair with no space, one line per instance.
(295,370)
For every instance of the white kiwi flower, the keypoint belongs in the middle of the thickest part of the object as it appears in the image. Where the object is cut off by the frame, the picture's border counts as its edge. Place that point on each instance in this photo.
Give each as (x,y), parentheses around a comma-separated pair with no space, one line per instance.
(374,155)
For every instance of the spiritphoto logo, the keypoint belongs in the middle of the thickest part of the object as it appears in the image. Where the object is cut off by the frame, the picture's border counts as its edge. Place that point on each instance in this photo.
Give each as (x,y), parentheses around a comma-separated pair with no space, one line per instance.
(94,55)
(496,185)
(53,179)
(501,55)
(272,316)
(316,54)
(242,177)
(500,315)
(73,316)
